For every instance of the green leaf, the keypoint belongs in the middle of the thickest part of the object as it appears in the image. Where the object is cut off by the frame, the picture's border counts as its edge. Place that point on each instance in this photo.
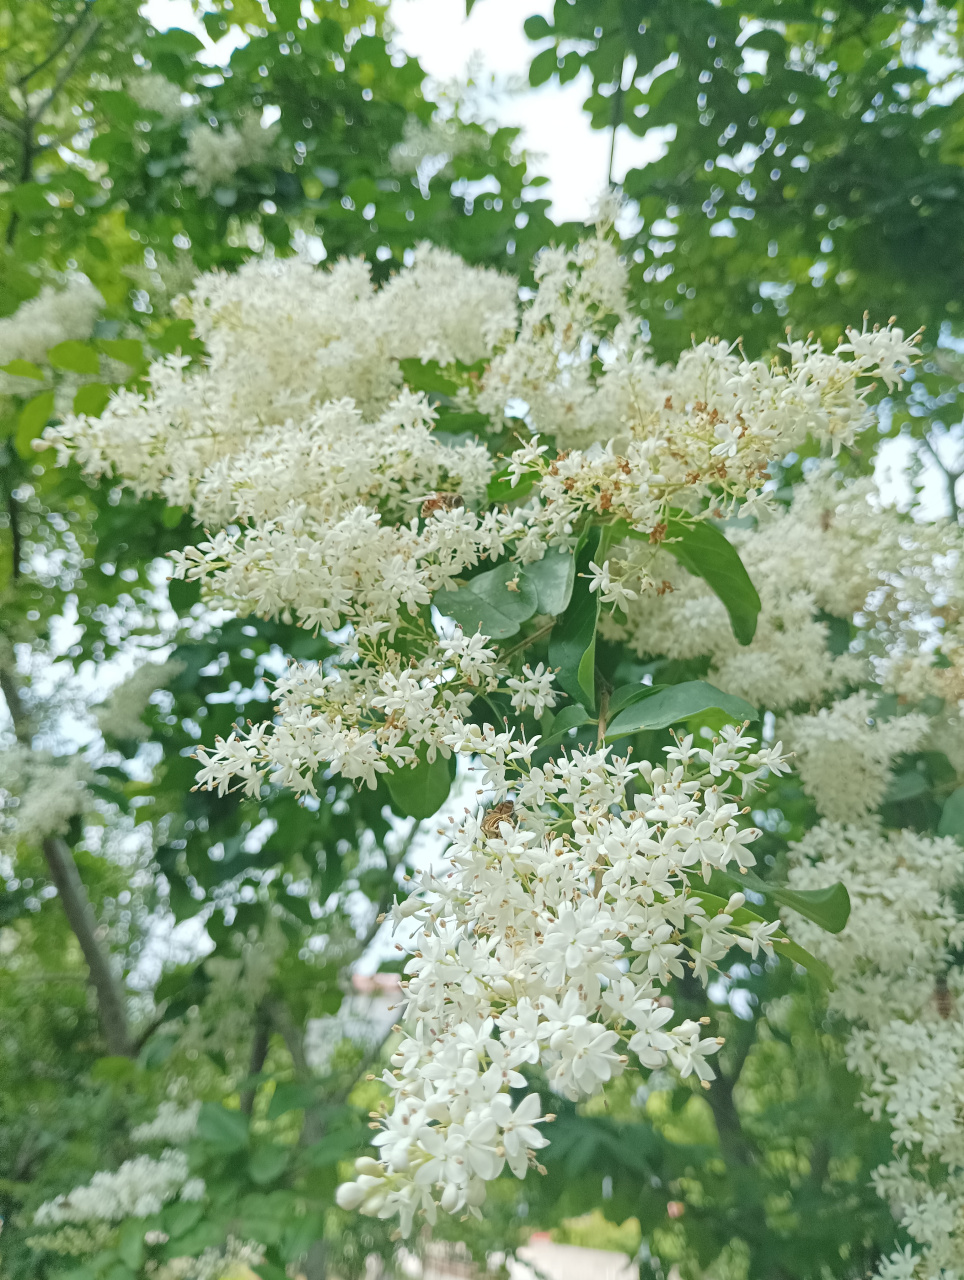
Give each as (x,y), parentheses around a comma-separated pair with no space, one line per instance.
(426,375)
(334,1146)
(420,792)
(537,27)
(675,703)
(180,1217)
(224,1129)
(952,816)
(542,67)
(291,1097)
(487,603)
(553,577)
(33,418)
(77,357)
(829,907)
(906,786)
(268,1162)
(783,946)
(130,1246)
(704,551)
(627,694)
(171,517)
(30,200)
(572,645)
(178,336)
(571,717)
(92,399)
(127,350)
(500,488)
(24,369)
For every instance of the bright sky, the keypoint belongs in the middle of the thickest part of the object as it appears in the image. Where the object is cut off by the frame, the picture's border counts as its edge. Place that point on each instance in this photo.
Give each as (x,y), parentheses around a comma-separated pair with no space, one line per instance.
(573,156)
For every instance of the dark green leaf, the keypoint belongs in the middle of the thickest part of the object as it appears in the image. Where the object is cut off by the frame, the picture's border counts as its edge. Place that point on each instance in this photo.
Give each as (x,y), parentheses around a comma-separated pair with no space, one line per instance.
(224,1129)
(572,717)
(553,577)
(704,551)
(782,945)
(179,1218)
(675,703)
(829,908)
(906,786)
(542,67)
(420,792)
(335,1146)
(488,604)
(952,816)
(291,1097)
(268,1162)
(572,646)
(501,489)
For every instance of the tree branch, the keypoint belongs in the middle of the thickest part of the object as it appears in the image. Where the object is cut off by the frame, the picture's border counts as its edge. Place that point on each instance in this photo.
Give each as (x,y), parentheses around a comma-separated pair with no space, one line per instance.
(68,69)
(80,916)
(111,1004)
(950,478)
(58,48)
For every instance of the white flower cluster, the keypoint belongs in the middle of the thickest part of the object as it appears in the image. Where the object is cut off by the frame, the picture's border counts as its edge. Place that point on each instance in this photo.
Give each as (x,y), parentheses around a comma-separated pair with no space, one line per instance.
(55,315)
(173,1124)
(835,554)
(353,512)
(214,156)
(39,794)
(427,149)
(120,713)
(564,914)
(236,1260)
(844,753)
(155,92)
(898,979)
(138,1189)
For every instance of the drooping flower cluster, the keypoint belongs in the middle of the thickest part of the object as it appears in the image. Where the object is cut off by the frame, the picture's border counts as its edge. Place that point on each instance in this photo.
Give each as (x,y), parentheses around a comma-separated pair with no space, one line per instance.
(57,314)
(215,155)
(898,982)
(334,499)
(564,914)
(138,1189)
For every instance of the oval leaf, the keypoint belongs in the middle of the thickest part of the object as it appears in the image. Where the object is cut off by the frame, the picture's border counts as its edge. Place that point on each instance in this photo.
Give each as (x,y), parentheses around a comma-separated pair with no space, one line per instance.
(783,946)
(420,792)
(75,356)
(704,551)
(224,1129)
(553,577)
(572,645)
(23,369)
(678,702)
(952,816)
(268,1162)
(488,604)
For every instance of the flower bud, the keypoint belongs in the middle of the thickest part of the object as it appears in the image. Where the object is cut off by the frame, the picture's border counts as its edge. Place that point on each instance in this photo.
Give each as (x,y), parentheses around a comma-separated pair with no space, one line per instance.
(349,1196)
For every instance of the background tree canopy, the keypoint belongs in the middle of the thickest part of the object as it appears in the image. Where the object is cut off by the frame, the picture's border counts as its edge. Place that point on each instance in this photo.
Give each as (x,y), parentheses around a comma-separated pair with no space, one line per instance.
(162,944)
